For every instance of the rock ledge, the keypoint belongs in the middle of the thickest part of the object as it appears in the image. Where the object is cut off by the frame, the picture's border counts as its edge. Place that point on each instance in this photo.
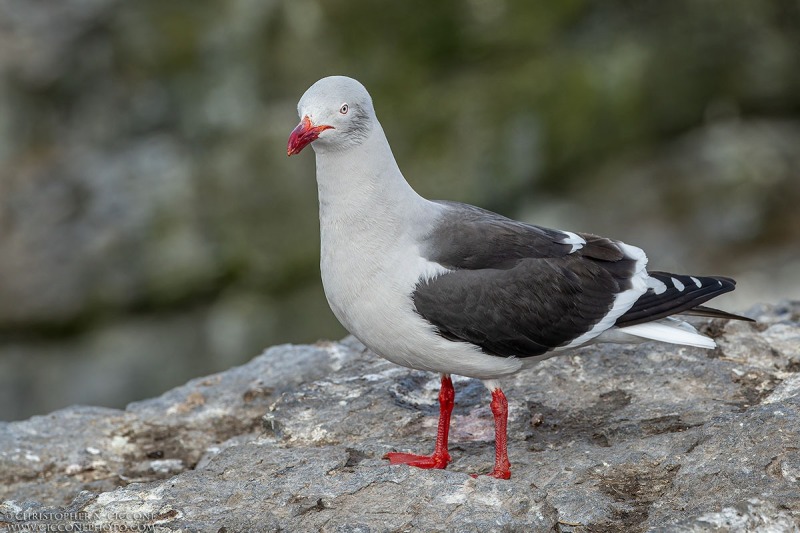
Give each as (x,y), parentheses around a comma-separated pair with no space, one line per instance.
(645,438)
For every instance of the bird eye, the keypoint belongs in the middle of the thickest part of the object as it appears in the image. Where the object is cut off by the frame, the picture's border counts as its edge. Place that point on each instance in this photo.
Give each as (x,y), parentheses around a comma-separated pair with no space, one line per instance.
(343,110)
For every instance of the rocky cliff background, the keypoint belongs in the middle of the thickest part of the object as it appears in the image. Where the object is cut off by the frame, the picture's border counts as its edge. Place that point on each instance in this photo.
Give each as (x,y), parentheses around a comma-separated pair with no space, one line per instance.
(152,228)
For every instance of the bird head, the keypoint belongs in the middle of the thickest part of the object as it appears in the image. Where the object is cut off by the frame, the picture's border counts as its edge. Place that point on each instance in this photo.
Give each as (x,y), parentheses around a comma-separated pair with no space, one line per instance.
(336,113)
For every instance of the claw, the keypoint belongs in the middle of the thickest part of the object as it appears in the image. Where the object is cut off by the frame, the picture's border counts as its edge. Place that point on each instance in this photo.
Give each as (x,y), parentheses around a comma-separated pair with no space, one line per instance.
(497,474)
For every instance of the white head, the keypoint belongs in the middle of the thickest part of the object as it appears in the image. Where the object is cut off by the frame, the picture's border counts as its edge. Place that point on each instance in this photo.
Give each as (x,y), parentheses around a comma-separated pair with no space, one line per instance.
(336,114)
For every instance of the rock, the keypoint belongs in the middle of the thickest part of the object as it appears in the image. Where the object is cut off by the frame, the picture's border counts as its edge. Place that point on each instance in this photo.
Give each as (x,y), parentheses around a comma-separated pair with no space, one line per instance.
(652,437)
(750,515)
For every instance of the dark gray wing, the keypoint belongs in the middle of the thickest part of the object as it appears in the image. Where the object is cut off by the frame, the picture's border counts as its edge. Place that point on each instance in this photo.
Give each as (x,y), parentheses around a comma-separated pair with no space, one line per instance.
(515,288)
(473,238)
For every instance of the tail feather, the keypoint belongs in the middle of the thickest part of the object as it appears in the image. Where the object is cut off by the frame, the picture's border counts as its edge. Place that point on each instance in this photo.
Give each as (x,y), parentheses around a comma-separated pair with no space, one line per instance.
(671,331)
(702,310)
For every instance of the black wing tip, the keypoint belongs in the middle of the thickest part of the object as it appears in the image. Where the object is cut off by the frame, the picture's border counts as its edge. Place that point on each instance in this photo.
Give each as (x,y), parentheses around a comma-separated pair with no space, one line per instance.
(728,283)
(686,300)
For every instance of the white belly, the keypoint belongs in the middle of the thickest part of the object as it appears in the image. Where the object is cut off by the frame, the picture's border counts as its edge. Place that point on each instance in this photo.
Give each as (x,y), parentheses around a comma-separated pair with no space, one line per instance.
(369,287)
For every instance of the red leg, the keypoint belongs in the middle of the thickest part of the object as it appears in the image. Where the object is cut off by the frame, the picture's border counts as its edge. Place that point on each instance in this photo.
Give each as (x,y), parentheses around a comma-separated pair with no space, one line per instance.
(440,456)
(502,466)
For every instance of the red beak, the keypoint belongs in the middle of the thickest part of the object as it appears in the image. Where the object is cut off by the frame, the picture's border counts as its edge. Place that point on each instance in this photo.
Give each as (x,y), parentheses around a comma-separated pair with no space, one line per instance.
(304,134)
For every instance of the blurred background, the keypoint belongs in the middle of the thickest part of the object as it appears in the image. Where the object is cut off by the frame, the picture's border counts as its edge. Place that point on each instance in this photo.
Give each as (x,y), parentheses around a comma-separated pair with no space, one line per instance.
(152,228)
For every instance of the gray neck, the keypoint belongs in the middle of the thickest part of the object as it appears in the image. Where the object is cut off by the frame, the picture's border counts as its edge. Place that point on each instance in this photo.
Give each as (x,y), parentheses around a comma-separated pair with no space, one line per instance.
(361,188)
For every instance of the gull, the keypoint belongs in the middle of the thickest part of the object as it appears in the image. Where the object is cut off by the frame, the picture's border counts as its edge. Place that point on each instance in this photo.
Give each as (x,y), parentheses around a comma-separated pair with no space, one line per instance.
(452,288)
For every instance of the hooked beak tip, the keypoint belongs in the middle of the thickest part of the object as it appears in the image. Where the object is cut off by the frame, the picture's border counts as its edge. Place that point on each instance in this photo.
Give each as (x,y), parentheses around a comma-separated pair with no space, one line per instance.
(304,134)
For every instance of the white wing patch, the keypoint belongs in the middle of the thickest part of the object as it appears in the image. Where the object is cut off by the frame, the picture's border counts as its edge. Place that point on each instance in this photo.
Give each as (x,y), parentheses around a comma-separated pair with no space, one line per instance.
(696,281)
(573,239)
(658,286)
(678,285)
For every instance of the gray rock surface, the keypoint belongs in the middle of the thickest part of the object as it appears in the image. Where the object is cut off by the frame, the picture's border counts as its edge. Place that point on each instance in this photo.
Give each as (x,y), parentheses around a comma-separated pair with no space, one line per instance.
(612,438)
